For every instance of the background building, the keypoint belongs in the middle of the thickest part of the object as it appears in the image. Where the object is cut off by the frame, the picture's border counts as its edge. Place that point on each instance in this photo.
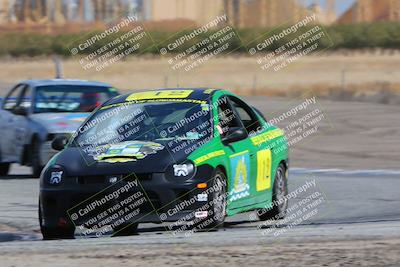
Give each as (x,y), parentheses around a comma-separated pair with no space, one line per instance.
(199,11)
(372,11)
(63,11)
(241,13)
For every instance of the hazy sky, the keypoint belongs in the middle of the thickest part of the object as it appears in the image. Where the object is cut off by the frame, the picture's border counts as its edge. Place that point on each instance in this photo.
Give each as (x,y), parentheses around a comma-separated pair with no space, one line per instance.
(341,5)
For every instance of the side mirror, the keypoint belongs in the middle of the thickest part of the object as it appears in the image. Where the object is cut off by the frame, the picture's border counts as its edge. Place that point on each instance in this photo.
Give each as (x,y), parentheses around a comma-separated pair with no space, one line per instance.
(59,142)
(234,135)
(20,111)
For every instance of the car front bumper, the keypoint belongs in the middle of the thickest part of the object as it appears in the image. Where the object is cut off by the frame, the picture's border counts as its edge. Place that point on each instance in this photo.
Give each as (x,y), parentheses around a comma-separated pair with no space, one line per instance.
(148,198)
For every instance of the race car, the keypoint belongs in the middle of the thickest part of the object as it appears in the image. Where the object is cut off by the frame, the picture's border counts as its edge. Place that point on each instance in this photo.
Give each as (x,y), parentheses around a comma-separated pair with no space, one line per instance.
(189,157)
(34,112)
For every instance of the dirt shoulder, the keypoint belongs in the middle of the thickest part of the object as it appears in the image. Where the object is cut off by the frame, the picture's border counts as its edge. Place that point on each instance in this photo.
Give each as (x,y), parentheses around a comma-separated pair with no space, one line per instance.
(236,73)
(373,252)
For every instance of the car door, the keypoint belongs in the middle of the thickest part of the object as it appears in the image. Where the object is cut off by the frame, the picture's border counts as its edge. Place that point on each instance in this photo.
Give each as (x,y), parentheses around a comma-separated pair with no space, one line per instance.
(15,126)
(261,159)
(21,126)
(240,155)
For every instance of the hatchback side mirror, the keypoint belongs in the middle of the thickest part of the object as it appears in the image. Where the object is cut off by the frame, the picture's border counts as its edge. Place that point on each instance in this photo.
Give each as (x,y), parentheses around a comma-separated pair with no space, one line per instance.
(59,143)
(20,111)
(235,134)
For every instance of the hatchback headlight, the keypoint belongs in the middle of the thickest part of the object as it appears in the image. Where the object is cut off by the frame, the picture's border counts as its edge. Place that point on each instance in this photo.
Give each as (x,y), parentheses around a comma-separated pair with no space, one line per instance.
(185,170)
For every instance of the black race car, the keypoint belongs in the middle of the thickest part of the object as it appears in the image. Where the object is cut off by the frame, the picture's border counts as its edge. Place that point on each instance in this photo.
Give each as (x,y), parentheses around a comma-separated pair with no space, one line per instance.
(188,156)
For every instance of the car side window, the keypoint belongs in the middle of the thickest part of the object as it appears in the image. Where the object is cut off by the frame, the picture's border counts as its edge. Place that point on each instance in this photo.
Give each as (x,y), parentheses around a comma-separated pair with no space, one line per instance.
(227,117)
(25,99)
(13,99)
(246,114)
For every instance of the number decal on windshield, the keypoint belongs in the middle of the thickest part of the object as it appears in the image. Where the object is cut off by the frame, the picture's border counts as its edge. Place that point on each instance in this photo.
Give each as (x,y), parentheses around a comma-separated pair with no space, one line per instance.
(159,95)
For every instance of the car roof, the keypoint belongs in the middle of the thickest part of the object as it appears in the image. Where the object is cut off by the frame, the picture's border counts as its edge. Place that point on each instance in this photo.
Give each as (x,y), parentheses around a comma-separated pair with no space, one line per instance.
(36,83)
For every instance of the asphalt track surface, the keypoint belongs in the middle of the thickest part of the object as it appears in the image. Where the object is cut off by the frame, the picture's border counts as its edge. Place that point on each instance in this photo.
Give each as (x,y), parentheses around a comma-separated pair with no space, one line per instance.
(330,205)
(345,219)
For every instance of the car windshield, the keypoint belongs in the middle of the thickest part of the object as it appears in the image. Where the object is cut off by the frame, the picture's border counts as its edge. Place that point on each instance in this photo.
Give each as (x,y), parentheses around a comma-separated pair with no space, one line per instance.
(70,98)
(151,121)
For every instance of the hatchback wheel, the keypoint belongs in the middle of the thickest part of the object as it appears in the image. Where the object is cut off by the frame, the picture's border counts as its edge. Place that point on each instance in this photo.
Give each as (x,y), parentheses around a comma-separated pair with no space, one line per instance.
(279,197)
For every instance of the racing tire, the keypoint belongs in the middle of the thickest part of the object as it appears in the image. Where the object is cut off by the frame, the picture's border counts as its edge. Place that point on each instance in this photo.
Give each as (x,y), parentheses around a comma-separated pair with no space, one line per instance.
(279,193)
(4,168)
(37,166)
(216,211)
(125,230)
(53,233)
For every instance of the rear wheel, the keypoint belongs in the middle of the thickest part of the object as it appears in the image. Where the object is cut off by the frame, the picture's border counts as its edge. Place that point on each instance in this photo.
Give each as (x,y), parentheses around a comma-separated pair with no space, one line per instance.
(4,168)
(37,166)
(279,200)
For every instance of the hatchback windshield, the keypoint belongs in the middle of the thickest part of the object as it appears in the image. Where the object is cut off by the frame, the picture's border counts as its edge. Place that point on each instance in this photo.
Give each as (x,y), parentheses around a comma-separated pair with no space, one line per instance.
(71,98)
(149,121)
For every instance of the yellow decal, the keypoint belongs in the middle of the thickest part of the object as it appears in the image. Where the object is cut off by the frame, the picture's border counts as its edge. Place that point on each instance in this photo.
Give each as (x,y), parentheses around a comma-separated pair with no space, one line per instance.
(209,156)
(267,136)
(209,91)
(195,101)
(118,160)
(165,94)
(263,170)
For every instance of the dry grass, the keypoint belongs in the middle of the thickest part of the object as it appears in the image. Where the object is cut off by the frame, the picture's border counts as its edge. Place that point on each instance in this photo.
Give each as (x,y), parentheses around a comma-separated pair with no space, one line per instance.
(321,74)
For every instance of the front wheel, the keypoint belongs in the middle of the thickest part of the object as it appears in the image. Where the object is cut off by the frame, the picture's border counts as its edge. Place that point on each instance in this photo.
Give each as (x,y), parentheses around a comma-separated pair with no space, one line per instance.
(52,233)
(125,229)
(55,233)
(4,168)
(279,197)
(216,206)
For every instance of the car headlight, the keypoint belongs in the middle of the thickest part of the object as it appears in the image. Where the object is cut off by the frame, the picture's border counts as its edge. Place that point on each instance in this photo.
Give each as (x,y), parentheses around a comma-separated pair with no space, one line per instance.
(55,175)
(185,170)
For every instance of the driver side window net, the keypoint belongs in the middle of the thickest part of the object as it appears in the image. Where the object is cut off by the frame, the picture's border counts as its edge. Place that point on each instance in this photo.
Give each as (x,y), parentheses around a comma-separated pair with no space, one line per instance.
(226,117)
(247,115)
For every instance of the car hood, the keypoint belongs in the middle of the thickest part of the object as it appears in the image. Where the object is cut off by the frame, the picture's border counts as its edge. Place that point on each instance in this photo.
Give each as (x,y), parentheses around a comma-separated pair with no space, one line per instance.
(60,122)
(122,158)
